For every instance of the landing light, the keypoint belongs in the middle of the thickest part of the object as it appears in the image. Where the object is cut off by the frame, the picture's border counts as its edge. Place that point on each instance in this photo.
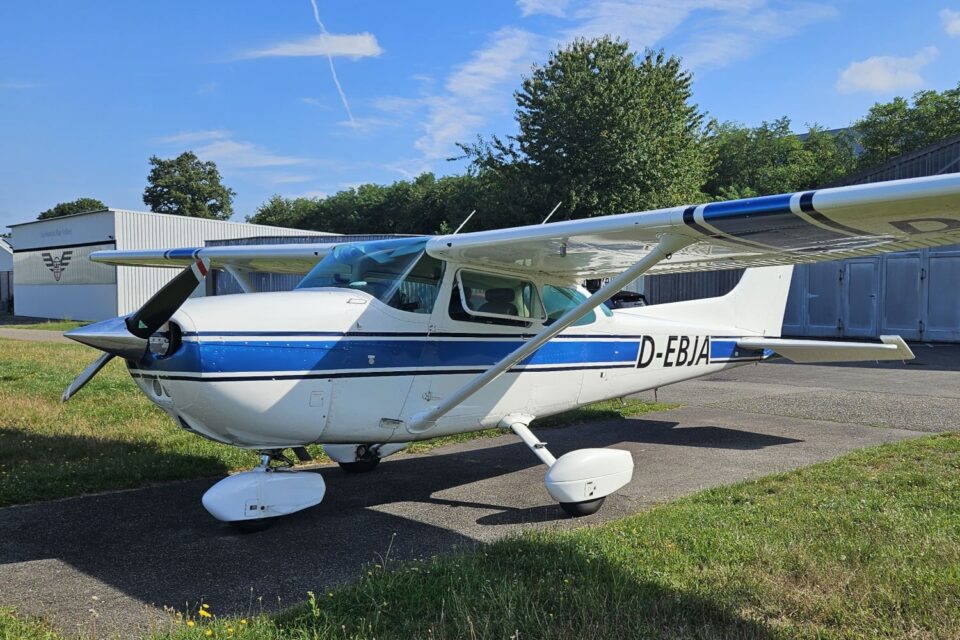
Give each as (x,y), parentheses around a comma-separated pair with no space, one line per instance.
(166,341)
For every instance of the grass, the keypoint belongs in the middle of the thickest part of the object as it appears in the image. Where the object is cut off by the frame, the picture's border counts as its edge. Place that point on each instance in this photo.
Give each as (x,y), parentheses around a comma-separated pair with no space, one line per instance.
(49,325)
(13,627)
(109,436)
(865,546)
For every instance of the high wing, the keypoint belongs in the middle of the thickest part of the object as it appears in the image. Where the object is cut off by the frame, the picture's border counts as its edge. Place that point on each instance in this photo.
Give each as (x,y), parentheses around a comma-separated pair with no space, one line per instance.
(811,226)
(274,258)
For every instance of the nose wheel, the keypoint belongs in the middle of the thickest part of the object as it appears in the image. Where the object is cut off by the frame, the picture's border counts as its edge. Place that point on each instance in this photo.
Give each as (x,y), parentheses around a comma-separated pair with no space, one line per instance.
(251,500)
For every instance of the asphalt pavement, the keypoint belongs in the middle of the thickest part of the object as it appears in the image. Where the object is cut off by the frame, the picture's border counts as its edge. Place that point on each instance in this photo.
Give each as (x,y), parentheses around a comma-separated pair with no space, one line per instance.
(108,564)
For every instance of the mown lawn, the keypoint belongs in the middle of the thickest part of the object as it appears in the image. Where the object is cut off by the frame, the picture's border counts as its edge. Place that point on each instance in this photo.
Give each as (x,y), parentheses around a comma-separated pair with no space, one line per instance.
(48,325)
(866,546)
(110,436)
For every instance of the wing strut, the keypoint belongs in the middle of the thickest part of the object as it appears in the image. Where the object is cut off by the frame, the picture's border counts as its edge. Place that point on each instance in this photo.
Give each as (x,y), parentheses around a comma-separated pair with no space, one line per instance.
(667,246)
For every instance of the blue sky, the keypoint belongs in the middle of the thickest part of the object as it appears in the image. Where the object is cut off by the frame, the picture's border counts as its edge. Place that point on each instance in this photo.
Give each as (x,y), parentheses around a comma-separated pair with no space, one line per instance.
(89,90)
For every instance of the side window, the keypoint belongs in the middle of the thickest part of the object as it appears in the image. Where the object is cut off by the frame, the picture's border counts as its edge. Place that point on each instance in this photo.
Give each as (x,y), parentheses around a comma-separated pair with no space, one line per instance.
(559,300)
(494,299)
(417,290)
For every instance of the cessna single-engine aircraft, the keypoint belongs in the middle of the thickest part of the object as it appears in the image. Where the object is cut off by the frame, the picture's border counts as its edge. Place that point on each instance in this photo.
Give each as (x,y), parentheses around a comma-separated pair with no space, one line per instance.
(384,343)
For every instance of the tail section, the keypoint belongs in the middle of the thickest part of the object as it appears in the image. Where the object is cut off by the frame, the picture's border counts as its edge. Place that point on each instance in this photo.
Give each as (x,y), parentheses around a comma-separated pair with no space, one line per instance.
(755,306)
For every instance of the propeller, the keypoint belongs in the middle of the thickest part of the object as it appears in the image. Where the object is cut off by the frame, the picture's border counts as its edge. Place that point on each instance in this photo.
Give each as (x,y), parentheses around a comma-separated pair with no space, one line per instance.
(128,336)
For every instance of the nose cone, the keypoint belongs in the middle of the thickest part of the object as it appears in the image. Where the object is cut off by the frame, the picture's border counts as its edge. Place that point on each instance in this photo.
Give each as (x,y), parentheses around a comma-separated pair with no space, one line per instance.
(110,336)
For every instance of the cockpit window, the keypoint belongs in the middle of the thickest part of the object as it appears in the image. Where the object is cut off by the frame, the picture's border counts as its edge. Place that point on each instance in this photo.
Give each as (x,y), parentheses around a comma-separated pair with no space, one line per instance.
(559,300)
(396,272)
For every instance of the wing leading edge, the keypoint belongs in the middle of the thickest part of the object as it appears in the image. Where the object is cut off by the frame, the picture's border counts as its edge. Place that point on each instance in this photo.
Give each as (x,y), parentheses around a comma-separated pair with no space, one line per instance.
(275,258)
(811,226)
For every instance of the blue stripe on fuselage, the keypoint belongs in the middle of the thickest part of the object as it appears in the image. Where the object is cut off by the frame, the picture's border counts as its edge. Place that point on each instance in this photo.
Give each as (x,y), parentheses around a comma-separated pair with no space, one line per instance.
(337,355)
(721,350)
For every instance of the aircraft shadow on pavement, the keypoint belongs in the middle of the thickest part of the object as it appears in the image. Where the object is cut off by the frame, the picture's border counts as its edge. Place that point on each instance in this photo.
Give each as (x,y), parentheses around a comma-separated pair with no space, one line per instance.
(160,546)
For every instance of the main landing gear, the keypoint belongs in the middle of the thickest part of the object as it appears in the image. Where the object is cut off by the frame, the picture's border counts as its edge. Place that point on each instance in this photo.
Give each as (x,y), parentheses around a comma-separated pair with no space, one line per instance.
(579,480)
(360,458)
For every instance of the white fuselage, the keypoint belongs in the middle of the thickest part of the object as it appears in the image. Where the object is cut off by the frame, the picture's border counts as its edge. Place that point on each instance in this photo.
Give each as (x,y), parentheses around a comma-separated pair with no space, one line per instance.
(270,370)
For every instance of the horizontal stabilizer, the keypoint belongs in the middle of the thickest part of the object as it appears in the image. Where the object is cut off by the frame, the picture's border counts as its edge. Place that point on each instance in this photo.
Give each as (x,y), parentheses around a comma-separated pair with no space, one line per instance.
(890,348)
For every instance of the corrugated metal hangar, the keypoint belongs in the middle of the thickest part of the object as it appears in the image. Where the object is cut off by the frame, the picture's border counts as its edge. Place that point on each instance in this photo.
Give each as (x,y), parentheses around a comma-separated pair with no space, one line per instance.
(53,278)
(6,275)
(915,294)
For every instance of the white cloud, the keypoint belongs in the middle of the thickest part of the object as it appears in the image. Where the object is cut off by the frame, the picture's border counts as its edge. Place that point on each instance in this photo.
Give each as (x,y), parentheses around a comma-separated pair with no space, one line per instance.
(546,7)
(474,89)
(238,154)
(951,22)
(885,74)
(314,102)
(738,32)
(188,137)
(20,86)
(289,179)
(219,146)
(359,45)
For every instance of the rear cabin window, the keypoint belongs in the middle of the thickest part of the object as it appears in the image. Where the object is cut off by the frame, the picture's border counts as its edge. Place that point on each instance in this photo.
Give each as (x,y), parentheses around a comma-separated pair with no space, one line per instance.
(495,299)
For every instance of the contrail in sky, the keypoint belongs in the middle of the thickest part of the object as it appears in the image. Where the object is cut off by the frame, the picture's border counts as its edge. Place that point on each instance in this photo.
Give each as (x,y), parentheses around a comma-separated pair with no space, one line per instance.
(333,70)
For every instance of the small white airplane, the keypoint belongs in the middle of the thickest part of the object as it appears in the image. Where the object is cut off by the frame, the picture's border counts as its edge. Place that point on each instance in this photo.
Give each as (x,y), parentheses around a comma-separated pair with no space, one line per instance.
(388,342)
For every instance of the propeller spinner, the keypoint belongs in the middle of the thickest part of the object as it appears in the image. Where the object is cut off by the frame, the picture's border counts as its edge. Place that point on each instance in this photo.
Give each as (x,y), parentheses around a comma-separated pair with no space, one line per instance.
(128,337)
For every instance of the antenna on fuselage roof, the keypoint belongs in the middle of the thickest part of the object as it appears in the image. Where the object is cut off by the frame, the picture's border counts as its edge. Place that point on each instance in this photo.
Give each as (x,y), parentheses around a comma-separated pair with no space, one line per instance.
(550,215)
(462,224)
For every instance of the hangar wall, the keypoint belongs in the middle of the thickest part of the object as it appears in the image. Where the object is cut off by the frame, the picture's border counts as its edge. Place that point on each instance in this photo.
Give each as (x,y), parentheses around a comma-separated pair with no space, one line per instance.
(53,277)
(138,230)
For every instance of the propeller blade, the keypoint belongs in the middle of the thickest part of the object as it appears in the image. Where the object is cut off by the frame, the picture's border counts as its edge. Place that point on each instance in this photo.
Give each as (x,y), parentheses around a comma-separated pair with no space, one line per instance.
(164,303)
(86,375)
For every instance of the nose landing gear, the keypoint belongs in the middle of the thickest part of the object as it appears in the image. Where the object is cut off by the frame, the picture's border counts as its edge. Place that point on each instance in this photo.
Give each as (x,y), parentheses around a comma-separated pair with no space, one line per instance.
(249,500)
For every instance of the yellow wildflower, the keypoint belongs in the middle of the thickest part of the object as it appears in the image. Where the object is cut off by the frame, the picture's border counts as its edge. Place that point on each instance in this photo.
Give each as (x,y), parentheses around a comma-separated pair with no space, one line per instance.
(243,621)
(205,606)
(190,623)
(208,632)
(204,613)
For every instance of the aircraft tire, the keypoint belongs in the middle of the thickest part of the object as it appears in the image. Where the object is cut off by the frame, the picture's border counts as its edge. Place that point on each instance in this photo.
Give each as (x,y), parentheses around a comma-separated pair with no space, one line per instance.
(580,509)
(251,526)
(360,466)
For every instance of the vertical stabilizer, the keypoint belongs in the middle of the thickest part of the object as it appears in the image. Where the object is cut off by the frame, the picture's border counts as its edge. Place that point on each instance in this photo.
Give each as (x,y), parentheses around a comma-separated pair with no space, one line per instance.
(754,307)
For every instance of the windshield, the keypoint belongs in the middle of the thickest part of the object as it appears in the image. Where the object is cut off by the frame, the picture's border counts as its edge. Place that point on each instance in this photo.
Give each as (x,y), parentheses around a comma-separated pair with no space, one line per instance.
(382,268)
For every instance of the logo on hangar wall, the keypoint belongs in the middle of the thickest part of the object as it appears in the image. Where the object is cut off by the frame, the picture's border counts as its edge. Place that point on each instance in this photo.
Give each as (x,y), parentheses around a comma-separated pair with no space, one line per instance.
(57,264)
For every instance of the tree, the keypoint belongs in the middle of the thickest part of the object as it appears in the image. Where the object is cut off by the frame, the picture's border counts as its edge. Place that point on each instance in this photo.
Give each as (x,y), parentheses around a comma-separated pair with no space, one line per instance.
(603,131)
(772,159)
(80,205)
(897,127)
(425,204)
(186,186)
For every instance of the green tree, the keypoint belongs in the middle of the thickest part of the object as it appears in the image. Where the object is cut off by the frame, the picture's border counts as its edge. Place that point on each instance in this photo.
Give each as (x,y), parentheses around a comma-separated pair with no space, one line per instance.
(186,186)
(80,205)
(425,204)
(285,212)
(892,128)
(603,131)
(772,159)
